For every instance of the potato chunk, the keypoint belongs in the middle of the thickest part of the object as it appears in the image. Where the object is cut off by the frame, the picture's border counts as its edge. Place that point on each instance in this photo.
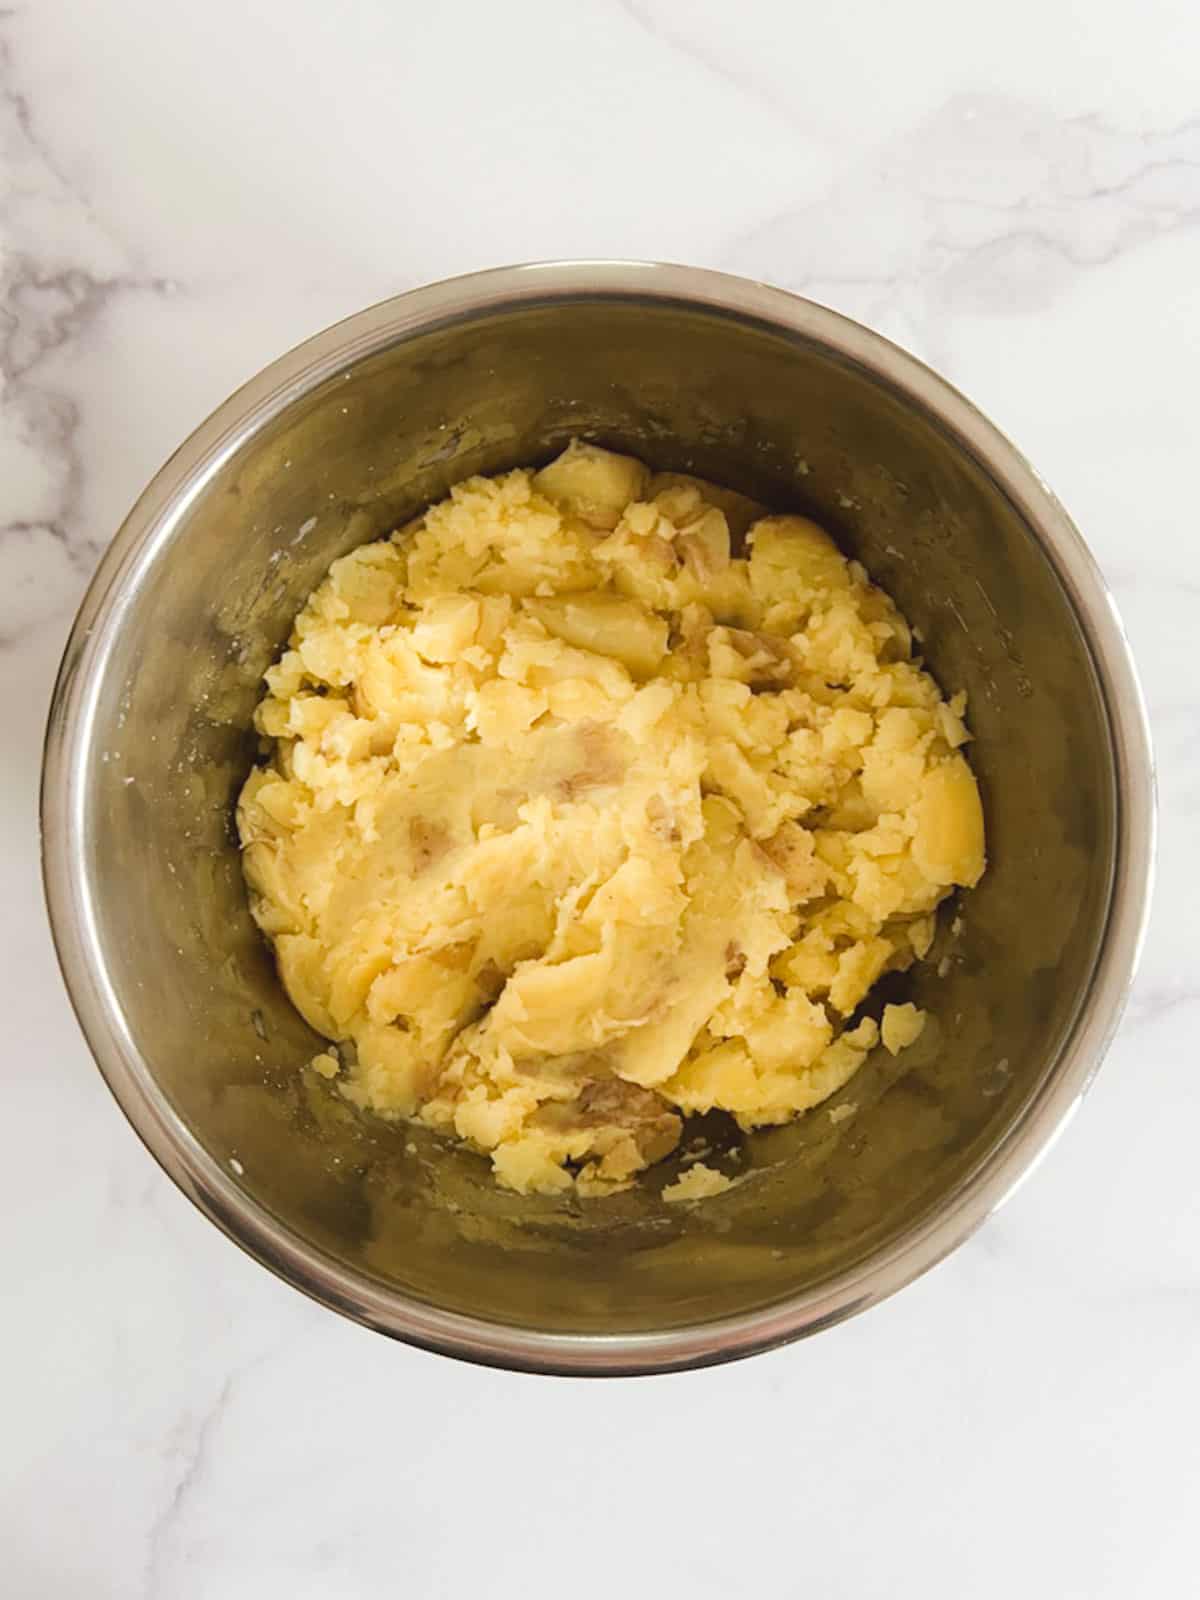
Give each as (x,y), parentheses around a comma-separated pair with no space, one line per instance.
(607,624)
(792,558)
(595,484)
(948,846)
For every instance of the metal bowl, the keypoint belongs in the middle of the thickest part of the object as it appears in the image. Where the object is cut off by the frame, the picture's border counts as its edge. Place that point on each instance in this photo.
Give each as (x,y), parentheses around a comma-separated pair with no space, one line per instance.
(149,741)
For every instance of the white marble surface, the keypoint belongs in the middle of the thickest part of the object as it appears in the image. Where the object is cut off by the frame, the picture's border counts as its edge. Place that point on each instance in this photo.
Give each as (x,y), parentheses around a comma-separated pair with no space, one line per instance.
(1014,192)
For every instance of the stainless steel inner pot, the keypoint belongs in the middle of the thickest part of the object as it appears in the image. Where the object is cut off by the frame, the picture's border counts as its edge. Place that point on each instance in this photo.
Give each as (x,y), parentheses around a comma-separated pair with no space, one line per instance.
(149,741)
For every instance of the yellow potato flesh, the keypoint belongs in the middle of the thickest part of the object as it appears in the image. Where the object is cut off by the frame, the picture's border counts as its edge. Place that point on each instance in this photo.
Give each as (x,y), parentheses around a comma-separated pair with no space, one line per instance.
(576,822)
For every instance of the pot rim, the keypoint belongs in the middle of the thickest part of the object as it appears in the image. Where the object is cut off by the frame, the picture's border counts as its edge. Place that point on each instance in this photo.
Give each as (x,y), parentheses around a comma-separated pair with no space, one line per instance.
(147,530)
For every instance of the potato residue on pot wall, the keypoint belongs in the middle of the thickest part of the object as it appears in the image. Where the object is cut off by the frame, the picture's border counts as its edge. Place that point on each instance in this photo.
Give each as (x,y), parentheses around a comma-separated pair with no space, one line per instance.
(576,820)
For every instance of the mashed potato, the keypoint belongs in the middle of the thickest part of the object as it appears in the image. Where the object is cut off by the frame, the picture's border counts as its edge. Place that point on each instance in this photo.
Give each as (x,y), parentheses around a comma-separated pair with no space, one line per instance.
(595,799)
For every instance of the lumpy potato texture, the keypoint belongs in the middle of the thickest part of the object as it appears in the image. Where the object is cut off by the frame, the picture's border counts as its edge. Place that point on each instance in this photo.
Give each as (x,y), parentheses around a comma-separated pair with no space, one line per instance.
(593,799)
